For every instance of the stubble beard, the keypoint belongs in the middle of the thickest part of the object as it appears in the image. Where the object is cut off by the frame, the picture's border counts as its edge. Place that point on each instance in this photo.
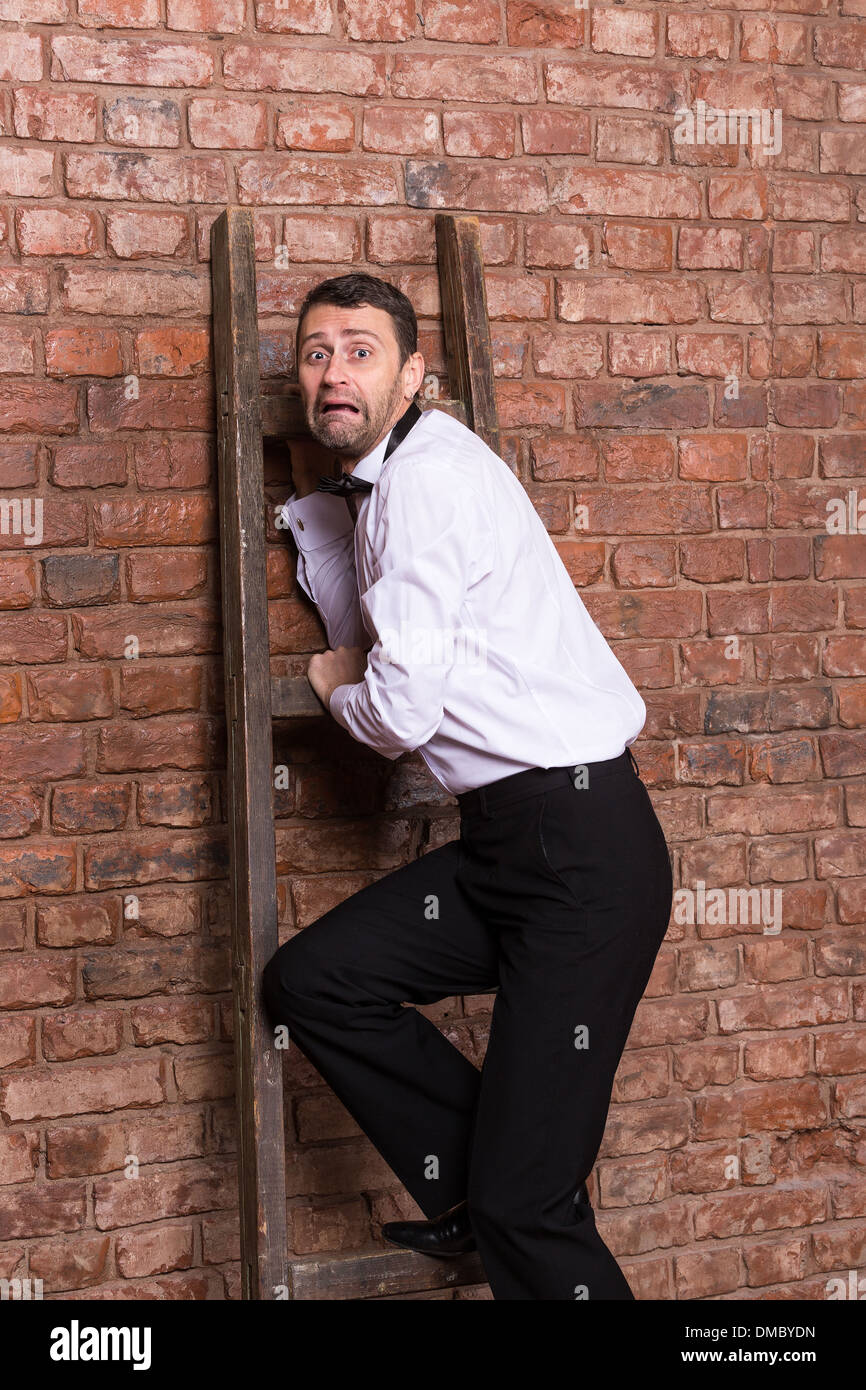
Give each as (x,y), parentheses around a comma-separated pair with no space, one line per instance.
(352,436)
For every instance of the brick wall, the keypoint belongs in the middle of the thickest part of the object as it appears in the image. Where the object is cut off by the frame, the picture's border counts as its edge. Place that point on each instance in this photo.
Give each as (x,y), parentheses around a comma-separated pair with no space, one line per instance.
(680,340)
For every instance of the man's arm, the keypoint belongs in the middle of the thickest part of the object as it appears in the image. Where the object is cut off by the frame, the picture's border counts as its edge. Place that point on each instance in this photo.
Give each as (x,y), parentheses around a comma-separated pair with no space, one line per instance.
(324,535)
(435,534)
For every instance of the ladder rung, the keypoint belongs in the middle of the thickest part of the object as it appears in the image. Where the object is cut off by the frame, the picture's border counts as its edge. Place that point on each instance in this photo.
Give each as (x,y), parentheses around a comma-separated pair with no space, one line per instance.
(292,697)
(381,1274)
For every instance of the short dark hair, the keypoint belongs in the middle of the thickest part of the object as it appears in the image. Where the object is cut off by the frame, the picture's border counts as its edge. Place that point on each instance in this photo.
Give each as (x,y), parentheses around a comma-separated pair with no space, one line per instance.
(349,291)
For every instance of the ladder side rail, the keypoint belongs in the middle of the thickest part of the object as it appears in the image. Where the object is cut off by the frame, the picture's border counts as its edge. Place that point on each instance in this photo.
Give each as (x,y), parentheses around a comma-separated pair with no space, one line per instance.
(249,772)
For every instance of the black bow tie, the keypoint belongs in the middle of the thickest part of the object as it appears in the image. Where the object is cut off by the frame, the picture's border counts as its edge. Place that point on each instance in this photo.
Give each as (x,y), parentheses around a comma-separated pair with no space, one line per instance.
(347,484)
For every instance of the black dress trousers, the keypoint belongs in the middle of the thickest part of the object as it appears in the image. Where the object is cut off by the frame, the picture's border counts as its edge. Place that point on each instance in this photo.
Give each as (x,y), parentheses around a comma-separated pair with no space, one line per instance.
(556,898)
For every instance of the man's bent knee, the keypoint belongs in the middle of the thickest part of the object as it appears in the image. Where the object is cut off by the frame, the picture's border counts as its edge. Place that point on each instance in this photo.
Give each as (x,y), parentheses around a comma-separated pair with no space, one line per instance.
(294,972)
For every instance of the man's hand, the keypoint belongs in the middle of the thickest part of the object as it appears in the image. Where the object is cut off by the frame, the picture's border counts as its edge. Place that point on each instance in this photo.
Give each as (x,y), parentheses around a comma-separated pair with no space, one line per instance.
(309,461)
(327,670)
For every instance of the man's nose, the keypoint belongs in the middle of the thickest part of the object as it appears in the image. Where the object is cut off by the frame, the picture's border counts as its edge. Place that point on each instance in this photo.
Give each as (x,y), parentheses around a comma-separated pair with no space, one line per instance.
(335,369)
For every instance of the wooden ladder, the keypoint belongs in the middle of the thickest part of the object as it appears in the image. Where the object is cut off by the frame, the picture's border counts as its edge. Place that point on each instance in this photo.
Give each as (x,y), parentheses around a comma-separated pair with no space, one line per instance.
(254,699)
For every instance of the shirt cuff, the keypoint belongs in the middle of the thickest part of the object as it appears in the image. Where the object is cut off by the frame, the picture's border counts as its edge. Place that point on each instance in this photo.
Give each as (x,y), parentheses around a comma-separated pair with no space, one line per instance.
(316,519)
(336,704)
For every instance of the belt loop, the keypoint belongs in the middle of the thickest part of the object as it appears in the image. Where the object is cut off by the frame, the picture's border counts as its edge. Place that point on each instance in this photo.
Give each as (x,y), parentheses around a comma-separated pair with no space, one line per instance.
(633,760)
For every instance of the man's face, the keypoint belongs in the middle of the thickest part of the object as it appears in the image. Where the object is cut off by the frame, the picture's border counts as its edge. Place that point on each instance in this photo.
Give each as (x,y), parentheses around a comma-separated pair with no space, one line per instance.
(352,386)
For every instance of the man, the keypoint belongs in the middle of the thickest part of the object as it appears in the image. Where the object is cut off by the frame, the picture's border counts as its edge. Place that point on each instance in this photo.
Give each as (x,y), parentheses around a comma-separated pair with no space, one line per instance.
(454,629)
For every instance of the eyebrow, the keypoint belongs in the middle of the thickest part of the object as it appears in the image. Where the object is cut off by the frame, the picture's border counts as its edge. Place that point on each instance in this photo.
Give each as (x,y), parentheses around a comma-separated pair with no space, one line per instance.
(344,332)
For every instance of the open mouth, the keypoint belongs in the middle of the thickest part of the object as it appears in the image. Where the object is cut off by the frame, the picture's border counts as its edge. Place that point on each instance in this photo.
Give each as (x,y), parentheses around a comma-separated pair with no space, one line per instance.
(339,408)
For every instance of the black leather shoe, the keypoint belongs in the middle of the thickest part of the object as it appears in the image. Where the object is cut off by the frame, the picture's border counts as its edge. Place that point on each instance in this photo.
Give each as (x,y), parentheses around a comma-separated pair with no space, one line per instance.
(448,1235)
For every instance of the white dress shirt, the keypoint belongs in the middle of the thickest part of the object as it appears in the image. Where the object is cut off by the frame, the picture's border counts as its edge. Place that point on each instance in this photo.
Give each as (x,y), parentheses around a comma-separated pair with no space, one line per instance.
(482,655)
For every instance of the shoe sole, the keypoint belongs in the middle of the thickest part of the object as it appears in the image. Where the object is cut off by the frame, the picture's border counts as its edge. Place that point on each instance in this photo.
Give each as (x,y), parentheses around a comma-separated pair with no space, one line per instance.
(433,1254)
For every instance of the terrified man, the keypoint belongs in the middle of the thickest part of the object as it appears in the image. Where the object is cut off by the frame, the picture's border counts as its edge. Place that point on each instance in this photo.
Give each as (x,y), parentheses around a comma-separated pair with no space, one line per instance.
(455,631)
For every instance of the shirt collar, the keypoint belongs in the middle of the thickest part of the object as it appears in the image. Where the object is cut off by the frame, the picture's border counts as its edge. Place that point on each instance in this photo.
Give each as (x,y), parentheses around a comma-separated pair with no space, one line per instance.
(370,466)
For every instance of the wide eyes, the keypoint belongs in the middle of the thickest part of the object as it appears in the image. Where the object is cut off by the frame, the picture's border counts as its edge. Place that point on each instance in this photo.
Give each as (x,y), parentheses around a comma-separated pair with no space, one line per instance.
(318,352)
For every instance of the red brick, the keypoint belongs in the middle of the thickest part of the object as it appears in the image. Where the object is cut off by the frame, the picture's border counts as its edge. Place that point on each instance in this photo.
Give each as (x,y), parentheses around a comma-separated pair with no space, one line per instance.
(154,1251)
(699,36)
(389,238)
(772,40)
(640,564)
(615,86)
(64,1090)
(477,134)
(43,1209)
(257,67)
(793,251)
(82,351)
(75,1264)
(41,408)
(631,246)
(739,299)
(119,14)
(707,1274)
(20,56)
(172,351)
(631,32)
(135,235)
(531,25)
(477,78)
(530,403)
(710,248)
(713,457)
(26,173)
(852,101)
(620,140)
(206,16)
(638,459)
(803,97)
(399,130)
(17,352)
(141,121)
(841,45)
(738,196)
(841,354)
(136,62)
(81,1033)
(623,193)
(323,181)
(35,11)
(199,1187)
(810,200)
(161,178)
(553,132)
(609,299)
(709,354)
(811,406)
(56,231)
(814,300)
(228,125)
(652,406)
(43,114)
(844,250)
(567,355)
(639,354)
(164,292)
